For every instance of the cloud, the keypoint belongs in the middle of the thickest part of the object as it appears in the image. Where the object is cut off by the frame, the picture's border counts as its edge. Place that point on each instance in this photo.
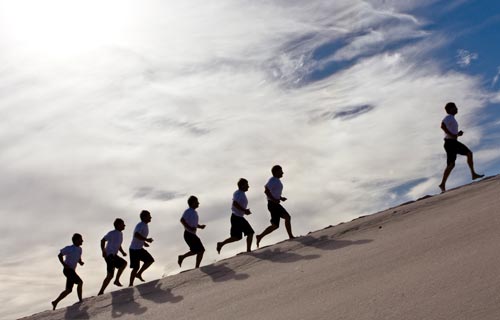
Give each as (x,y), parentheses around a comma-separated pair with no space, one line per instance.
(495,78)
(186,98)
(465,58)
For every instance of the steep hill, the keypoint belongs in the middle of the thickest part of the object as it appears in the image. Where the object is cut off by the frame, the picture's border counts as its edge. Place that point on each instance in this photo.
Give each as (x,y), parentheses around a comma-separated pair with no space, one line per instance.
(436,258)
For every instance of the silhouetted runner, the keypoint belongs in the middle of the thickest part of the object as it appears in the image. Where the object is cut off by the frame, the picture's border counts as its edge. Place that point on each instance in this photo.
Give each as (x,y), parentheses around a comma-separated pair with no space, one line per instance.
(73,256)
(273,190)
(453,146)
(111,244)
(239,225)
(137,252)
(190,221)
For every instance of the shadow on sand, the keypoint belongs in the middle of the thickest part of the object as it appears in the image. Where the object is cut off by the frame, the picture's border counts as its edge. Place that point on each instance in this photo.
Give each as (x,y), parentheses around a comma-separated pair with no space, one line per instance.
(221,272)
(329,243)
(77,311)
(124,303)
(280,256)
(153,291)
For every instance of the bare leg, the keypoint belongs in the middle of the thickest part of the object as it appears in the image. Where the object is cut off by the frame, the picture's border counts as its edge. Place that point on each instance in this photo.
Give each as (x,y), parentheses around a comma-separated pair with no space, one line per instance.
(446,173)
(249,242)
(473,173)
(118,275)
(61,296)
(184,256)
(79,289)
(133,273)
(264,233)
(199,256)
(288,226)
(105,283)
(143,268)
(223,243)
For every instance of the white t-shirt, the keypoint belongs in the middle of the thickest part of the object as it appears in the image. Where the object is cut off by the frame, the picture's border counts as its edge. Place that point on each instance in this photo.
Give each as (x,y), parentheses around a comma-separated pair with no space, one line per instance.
(241,198)
(72,255)
(191,218)
(143,229)
(452,126)
(275,186)
(114,241)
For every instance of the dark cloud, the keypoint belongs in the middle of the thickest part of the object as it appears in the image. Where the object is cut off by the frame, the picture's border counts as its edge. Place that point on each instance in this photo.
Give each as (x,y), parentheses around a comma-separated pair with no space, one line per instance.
(345,114)
(192,128)
(162,195)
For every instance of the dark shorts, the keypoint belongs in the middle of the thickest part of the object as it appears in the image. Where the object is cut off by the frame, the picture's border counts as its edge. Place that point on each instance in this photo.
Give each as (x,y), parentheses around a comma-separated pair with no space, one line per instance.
(454,147)
(240,225)
(277,212)
(114,262)
(136,256)
(193,242)
(71,278)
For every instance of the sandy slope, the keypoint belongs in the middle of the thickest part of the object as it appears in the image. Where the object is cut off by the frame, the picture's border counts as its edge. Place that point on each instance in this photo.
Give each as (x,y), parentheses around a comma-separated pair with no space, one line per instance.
(437,258)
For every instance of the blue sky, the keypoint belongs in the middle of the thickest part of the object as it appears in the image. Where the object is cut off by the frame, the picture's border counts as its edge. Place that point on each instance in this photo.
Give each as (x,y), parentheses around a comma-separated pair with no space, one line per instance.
(112,107)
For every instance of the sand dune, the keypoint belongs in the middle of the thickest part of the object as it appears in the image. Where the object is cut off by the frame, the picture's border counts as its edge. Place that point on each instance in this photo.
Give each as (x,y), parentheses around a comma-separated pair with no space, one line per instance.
(436,258)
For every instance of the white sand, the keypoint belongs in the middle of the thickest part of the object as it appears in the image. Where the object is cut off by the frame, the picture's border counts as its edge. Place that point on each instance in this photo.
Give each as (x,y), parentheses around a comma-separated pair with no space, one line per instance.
(437,258)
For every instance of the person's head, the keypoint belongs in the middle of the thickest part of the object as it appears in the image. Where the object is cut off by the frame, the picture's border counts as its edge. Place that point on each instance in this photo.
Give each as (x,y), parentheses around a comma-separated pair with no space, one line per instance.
(451,108)
(193,202)
(145,216)
(277,171)
(243,184)
(77,239)
(119,224)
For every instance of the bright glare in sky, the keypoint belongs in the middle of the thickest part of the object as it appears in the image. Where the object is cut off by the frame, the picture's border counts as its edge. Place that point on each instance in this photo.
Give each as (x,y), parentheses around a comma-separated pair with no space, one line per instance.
(61,26)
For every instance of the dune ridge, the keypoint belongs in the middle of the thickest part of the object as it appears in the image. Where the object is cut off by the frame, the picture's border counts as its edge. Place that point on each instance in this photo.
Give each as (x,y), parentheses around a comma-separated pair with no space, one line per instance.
(434,258)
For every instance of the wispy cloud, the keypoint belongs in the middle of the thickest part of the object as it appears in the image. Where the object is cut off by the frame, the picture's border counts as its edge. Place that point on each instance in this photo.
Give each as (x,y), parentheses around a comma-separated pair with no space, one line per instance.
(496,77)
(187,97)
(465,58)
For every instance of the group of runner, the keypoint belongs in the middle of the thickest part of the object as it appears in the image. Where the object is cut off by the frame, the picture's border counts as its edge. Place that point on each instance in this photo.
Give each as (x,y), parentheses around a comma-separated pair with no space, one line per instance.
(112,241)
(111,244)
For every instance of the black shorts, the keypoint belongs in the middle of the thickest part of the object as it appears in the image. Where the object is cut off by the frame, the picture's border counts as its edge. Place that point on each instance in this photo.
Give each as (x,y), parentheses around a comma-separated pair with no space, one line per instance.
(138,255)
(193,242)
(114,262)
(240,225)
(454,147)
(71,278)
(277,212)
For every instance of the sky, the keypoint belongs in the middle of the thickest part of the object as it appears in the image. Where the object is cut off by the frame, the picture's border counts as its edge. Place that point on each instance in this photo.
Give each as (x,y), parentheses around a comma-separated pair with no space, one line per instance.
(109,108)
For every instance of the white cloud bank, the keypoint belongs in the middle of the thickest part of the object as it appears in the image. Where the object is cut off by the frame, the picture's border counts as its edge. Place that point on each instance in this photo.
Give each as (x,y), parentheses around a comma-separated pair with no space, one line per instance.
(165,100)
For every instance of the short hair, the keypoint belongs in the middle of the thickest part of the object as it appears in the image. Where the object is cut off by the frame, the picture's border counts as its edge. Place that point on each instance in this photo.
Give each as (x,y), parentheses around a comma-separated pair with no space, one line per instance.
(241,182)
(75,237)
(117,222)
(275,169)
(191,200)
(144,213)
(449,106)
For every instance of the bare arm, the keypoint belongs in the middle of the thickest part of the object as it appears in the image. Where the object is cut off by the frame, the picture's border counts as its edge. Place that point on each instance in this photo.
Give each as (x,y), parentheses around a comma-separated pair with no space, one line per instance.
(103,244)
(141,237)
(448,132)
(123,252)
(60,257)
(239,207)
(270,195)
(187,226)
